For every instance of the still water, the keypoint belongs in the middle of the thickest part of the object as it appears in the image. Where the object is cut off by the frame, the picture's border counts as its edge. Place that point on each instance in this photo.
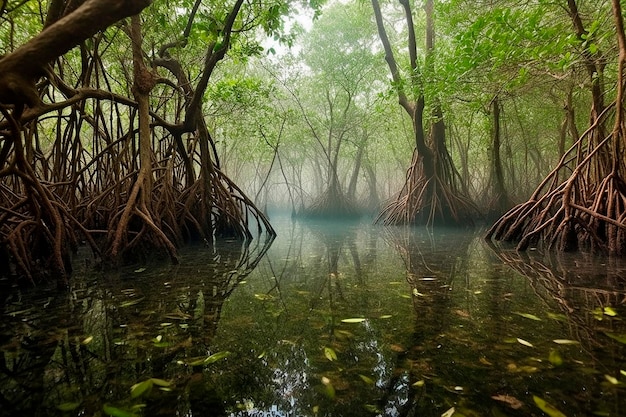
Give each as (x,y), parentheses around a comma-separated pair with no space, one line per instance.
(332,319)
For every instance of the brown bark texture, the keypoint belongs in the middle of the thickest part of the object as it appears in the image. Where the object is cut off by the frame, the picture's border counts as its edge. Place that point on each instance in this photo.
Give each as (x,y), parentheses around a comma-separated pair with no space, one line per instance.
(133,177)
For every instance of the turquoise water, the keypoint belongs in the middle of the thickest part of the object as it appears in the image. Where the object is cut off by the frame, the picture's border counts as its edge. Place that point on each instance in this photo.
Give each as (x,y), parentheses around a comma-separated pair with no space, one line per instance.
(332,319)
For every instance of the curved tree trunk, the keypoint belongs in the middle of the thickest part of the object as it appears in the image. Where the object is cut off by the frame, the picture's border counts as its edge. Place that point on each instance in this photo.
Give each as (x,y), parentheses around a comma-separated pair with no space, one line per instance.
(430,194)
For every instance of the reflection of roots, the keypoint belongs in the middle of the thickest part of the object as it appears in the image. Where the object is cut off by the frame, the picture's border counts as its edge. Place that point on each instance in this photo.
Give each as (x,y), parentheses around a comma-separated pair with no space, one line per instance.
(554,280)
(587,210)
(428,200)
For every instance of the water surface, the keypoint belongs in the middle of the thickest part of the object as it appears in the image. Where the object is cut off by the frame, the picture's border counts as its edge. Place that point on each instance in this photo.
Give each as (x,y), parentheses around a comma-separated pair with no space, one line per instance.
(333,319)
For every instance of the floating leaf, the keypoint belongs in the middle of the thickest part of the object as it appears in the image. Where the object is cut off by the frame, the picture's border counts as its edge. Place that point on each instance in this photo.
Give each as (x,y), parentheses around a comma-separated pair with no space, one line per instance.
(623,372)
(528,316)
(354,320)
(210,359)
(555,358)
(612,379)
(609,311)
(367,379)
(329,390)
(160,382)
(139,270)
(511,401)
(566,342)
(263,297)
(216,357)
(131,303)
(547,408)
(386,316)
(87,340)
(68,406)
(449,413)
(372,408)
(419,383)
(621,337)
(330,354)
(558,317)
(117,412)
(141,388)
(524,342)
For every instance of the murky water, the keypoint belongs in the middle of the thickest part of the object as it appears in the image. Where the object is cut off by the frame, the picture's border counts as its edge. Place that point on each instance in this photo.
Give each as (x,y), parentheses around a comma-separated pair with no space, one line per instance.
(336,319)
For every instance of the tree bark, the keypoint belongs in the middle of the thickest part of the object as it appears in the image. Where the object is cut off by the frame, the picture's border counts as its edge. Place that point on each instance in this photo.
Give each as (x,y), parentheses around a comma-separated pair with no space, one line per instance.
(21,68)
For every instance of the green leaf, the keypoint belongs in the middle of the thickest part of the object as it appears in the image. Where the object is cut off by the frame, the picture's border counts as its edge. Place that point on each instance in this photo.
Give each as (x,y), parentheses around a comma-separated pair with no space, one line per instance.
(329,390)
(116,412)
(528,316)
(366,379)
(263,297)
(611,379)
(210,359)
(547,408)
(330,354)
(555,358)
(160,382)
(141,388)
(68,406)
(354,320)
(566,342)
(609,311)
(621,337)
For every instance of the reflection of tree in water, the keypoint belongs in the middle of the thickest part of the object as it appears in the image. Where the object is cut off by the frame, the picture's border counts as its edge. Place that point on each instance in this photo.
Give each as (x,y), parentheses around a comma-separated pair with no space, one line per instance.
(419,384)
(588,290)
(89,346)
(308,290)
(590,294)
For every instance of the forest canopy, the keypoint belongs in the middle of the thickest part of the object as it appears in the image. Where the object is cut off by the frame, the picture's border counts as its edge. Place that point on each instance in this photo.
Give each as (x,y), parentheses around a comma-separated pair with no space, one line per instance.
(134,126)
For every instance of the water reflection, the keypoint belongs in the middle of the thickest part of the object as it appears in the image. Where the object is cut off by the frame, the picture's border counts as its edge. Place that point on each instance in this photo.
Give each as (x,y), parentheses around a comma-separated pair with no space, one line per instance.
(334,319)
(81,352)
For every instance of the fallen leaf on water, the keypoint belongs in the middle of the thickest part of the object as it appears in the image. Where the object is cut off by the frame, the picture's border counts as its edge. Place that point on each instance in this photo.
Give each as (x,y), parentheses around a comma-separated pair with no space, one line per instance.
(449,413)
(609,311)
(462,313)
(566,342)
(330,354)
(484,361)
(366,379)
(354,320)
(527,316)
(397,348)
(612,379)
(510,400)
(555,358)
(547,408)
(524,342)
(615,336)
(69,406)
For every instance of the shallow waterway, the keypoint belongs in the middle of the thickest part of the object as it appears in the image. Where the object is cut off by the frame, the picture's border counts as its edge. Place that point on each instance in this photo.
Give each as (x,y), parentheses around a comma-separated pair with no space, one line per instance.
(332,319)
